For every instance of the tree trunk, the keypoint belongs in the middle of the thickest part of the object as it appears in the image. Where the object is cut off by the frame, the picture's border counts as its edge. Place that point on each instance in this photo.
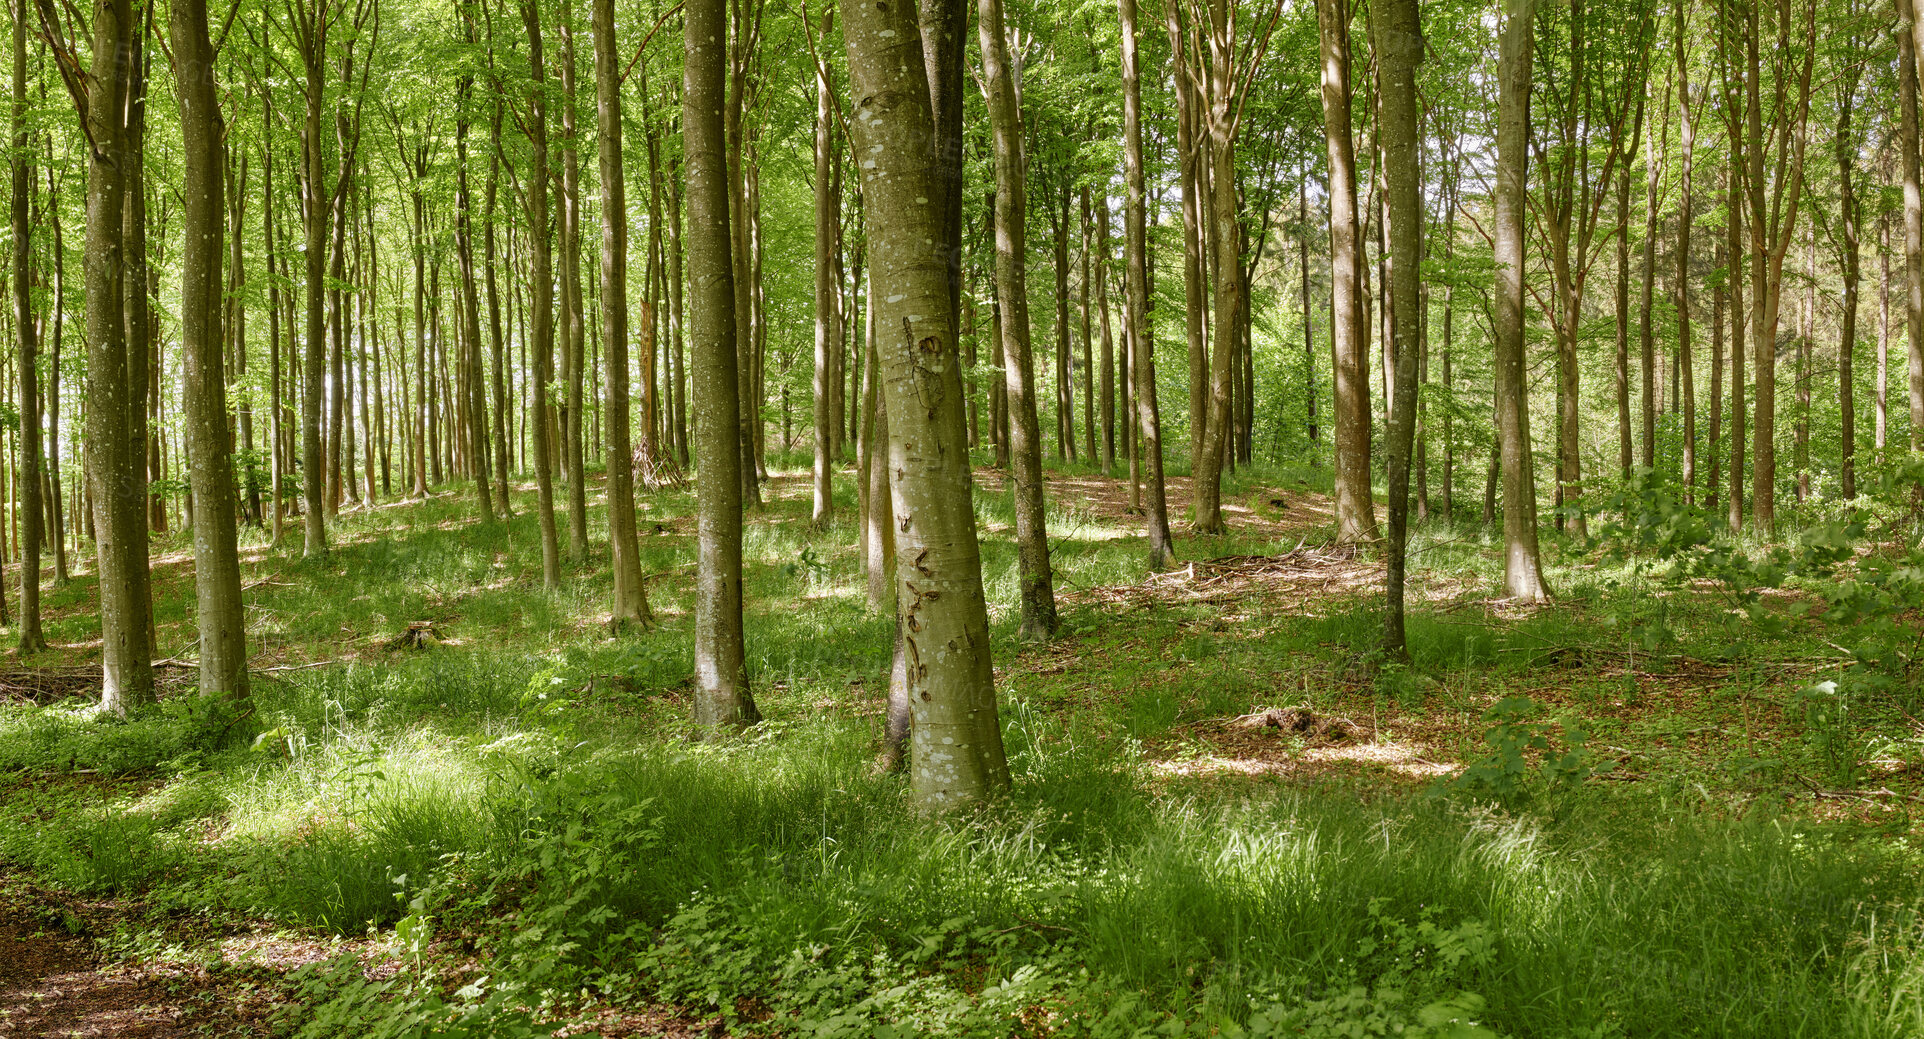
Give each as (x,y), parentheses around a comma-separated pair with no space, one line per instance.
(27,333)
(1687,365)
(1012,292)
(1147,431)
(1399,50)
(631,594)
(1523,566)
(573,329)
(722,697)
(217,583)
(541,298)
(828,294)
(1220,123)
(957,742)
(1355,509)
(477,435)
(115,458)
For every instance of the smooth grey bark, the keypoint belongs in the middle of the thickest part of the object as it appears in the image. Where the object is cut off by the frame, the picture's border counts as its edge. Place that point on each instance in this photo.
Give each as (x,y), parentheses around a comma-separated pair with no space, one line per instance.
(573,327)
(116,462)
(217,584)
(828,293)
(1035,576)
(311,31)
(722,697)
(1355,511)
(1522,563)
(1685,201)
(1399,50)
(957,754)
(32,522)
(541,298)
(476,401)
(1146,453)
(631,594)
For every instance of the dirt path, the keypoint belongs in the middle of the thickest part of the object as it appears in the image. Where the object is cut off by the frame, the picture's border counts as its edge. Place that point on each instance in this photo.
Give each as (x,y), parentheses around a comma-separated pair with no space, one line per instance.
(55,983)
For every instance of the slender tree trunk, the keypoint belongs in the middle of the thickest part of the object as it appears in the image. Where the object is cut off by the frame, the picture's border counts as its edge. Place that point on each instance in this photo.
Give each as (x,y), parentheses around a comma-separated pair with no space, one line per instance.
(1012,292)
(504,447)
(26,332)
(1908,68)
(1713,446)
(1399,50)
(313,46)
(541,298)
(1523,567)
(1147,447)
(721,674)
(477,436)
(1189,164)
(1224,208)
(217,583)
(1685,362)
(828,294)
(1355,509)
(631,595)
(573,328)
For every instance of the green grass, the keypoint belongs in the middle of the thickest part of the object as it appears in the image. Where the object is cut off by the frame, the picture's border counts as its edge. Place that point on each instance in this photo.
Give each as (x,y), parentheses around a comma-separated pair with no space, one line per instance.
(527,791)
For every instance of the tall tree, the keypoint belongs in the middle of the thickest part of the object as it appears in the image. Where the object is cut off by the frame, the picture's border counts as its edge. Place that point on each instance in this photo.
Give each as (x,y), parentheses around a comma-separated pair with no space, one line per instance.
(1147,448)
(217,583)
(1399,50)
(1349,347)
(27,330)
(631,595)
(722,697)
(957,741)
(1012,294)
(540,342)
(1522,563)
(828,291)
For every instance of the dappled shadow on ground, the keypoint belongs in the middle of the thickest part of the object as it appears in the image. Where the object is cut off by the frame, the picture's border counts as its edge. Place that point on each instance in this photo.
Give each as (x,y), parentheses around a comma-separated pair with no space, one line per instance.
(53,983)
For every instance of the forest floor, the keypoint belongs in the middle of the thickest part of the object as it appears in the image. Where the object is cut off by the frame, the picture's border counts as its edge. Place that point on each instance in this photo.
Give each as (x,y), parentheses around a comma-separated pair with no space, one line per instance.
(410,811)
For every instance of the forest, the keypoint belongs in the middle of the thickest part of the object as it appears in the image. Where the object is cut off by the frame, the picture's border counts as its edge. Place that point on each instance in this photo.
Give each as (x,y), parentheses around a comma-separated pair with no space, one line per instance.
(977,518)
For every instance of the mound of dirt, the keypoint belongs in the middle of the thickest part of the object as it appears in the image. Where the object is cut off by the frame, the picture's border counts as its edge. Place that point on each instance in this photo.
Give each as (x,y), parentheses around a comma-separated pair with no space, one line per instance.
(1304,722)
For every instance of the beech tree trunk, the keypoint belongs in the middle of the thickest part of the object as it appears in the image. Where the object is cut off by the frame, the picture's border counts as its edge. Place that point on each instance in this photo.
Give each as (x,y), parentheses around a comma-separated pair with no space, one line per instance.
(1399,50)
(1355,509)
(217,583)
(541,298)
(1522,564)
(1146,450)
(957,753)
(116,458)
(27,333)
(631,594)
(1012,292)
(722,698)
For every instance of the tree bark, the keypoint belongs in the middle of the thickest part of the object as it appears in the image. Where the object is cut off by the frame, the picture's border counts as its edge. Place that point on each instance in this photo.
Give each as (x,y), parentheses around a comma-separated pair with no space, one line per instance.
(1355,509)
(957,743)
(631,594)
(1146,452)
(27,332)
(1399,50)
(573,328)
(541,298)
(217,583)
(722,698)
(1012,292)
(116,460)
(828,294)
(1523,566)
